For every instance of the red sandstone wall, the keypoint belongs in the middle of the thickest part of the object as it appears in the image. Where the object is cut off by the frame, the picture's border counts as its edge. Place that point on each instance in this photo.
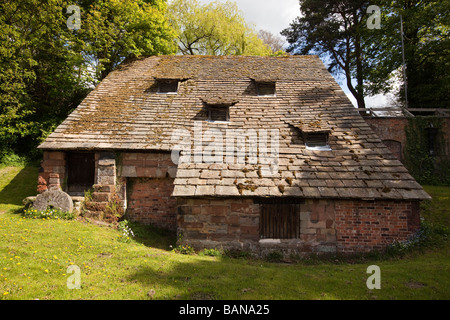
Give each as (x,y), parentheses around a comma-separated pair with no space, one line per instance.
(325,226)
(149,185)
(52,171)
(215,223)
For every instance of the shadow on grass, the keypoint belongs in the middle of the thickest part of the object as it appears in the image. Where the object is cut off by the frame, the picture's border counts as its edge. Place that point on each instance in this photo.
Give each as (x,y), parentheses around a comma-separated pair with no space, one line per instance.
(189,278)
(22,185)
(154,237)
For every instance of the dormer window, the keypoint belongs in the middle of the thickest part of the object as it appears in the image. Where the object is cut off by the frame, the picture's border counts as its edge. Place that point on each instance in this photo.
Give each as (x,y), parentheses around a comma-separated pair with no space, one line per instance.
(317,141)
(218,112)
(168,86)
(265,88)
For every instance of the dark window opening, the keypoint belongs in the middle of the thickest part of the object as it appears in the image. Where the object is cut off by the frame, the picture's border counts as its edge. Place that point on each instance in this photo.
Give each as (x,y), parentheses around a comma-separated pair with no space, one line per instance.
(168,86)
(279,221)
(317,140)
(265,88)
(81,172)
(218,112)
(432,134)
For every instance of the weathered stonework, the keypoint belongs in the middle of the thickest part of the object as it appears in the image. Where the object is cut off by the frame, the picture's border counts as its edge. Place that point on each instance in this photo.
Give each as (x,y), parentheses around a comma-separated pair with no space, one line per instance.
(55,198)
(148,178)
(213,204)
(52,172)
(326,226)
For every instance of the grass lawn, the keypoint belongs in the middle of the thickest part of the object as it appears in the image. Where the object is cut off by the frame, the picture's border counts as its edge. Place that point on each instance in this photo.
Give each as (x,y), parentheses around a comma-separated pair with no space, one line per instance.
(16,183)
(35,255)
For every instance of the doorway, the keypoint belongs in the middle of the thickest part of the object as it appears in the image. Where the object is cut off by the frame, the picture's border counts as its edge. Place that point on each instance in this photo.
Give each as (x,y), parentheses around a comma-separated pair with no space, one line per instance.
(81,172)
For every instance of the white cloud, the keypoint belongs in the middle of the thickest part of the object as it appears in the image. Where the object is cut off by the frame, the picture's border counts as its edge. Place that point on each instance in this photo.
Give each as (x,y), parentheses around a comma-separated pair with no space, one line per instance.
(270,15)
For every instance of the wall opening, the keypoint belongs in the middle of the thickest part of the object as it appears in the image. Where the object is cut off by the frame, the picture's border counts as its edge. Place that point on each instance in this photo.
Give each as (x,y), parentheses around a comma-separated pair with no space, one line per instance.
(279,218)
(80,172)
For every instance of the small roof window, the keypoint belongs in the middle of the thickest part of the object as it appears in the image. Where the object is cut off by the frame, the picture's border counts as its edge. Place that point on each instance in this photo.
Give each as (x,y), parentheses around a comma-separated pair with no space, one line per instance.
(265,88)
(218,112)
(168,86)
(317,141)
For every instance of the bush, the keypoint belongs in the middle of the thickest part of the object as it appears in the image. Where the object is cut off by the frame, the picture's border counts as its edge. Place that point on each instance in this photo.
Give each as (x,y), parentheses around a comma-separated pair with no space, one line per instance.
(429,235)
(184,249)
(12,159)
(212,252)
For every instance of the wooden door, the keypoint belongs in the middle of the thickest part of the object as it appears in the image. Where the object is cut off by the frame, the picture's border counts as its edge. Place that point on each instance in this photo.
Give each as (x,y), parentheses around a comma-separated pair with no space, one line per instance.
(81,171)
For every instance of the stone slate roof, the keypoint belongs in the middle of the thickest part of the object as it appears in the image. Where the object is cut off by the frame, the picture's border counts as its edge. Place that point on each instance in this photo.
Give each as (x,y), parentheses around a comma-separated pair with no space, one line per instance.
(125,112)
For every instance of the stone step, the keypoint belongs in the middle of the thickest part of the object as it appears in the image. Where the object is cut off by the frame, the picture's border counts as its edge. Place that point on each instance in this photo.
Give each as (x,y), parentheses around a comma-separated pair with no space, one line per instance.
(101,196)
(104,188)
(96,215)
(95,206)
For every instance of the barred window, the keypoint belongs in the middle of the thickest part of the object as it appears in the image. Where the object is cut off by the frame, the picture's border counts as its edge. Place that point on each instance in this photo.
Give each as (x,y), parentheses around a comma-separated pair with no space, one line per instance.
(280,221)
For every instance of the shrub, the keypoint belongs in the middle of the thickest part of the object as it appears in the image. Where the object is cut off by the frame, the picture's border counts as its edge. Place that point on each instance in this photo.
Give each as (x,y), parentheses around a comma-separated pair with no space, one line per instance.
(429,235)
(184,249)
(212,252)
(11,159)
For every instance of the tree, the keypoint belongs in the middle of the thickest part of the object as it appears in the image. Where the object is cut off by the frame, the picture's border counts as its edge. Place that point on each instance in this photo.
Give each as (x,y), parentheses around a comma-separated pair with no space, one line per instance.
(333,30)
(276,43)
(213,29)
(118,29)
(426,47)
(46,69)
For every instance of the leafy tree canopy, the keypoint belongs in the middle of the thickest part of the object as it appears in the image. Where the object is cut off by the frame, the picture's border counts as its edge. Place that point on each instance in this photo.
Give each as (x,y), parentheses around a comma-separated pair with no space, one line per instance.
(47,68)
(213,29)
(338,31)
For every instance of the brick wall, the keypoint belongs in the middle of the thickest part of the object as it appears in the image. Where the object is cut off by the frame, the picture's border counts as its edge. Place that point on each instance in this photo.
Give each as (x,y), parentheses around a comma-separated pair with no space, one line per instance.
(148,180)
(390,129)
(52,171)
(393,129)
(234,223)
(372,225)
(326,226)
(219,223)
(150,202)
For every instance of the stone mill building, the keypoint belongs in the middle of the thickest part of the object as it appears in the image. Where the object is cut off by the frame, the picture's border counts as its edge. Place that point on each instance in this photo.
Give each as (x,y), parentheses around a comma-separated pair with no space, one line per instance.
(251,153)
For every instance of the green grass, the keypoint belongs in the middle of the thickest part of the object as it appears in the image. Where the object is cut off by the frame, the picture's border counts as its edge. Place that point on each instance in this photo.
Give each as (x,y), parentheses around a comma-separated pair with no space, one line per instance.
(437,210)
(16,183)
(35,255)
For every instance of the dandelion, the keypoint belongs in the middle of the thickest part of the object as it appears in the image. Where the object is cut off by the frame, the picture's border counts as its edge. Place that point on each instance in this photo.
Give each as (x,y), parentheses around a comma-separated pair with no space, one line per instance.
(5,293)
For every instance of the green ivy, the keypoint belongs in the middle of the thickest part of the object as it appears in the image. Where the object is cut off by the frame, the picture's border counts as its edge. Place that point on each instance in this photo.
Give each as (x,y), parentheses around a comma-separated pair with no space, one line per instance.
(424,167)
